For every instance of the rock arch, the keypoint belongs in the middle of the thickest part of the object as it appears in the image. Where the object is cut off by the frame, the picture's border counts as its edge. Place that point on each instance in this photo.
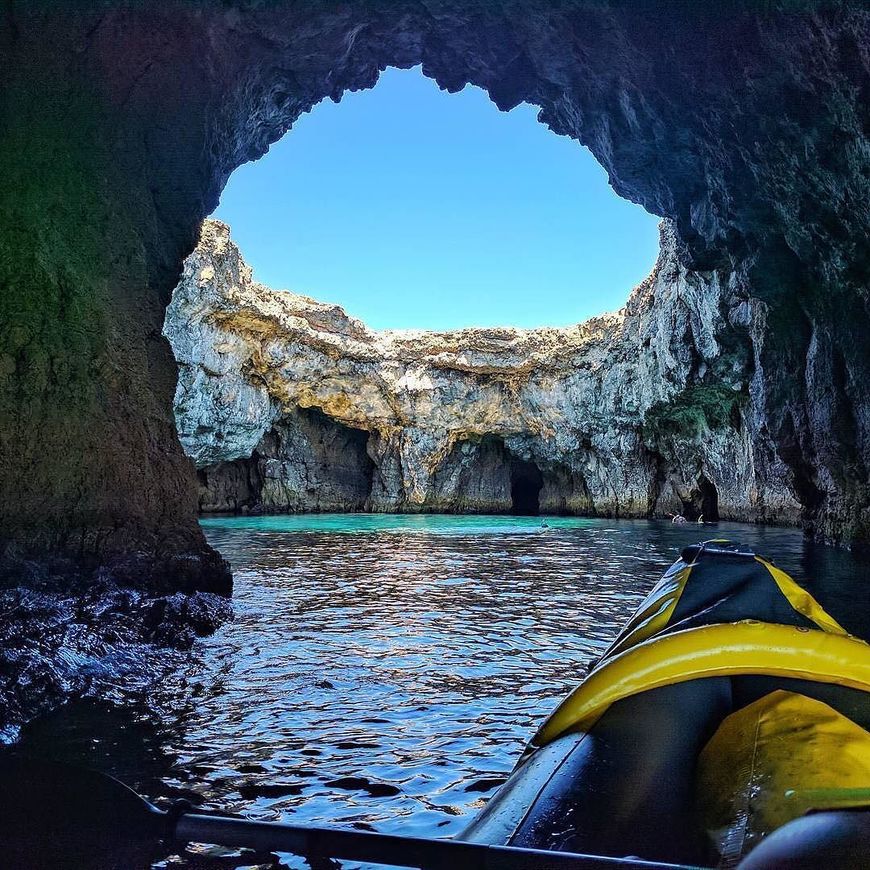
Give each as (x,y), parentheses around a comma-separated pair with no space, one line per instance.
(746,123)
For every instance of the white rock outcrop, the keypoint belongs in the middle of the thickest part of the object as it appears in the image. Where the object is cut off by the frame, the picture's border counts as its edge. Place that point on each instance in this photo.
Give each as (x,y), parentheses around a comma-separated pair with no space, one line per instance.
(285,403)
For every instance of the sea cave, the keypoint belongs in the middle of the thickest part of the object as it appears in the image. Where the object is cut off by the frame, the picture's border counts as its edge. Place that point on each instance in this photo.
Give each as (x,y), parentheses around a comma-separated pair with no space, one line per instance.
(158,405)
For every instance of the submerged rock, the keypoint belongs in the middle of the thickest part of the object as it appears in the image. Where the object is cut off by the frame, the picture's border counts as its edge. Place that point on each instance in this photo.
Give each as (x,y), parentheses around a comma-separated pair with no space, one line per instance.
(105,641)
(288,404)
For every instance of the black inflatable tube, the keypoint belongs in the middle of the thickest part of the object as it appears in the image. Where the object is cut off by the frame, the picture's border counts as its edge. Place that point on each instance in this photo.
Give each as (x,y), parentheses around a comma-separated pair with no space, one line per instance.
(623,789)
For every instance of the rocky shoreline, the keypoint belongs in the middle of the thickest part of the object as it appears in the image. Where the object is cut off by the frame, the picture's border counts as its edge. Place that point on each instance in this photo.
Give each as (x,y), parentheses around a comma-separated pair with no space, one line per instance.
(288,404)
(101,640)
(73,629)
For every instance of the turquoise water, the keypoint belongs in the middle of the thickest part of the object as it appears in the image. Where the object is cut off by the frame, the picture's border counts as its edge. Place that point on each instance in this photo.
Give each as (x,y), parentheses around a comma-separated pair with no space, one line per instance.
(385,672)
(435,524)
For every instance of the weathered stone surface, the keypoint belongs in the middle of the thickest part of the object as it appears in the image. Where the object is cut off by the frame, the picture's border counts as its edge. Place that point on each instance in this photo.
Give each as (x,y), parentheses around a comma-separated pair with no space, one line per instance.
(653,409)
(744,122)
(104,641)
(305,462)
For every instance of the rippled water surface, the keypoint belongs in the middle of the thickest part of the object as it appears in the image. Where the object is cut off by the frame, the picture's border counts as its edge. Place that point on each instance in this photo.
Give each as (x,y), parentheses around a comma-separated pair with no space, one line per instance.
(386,671)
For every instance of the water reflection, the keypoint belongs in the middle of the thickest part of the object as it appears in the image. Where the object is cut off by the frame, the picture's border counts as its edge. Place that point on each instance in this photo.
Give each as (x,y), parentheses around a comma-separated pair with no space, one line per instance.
(385,672)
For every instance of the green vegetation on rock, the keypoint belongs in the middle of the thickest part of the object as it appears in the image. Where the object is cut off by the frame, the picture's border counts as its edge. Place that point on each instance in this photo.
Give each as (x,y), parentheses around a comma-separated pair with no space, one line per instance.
(692,412)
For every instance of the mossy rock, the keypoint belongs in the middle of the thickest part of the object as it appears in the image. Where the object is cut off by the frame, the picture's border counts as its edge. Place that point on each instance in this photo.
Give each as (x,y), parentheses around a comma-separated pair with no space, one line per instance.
(693,412)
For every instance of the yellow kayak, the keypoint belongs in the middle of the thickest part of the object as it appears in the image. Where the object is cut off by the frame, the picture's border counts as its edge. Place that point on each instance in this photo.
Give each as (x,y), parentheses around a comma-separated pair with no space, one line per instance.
(732,707)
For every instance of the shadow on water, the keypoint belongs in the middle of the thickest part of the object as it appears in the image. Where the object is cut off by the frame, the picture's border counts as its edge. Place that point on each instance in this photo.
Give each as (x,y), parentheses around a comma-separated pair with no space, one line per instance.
(385,671)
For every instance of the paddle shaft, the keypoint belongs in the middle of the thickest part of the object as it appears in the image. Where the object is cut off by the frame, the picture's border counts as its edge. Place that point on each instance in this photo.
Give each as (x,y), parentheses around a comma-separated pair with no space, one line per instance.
(387,848)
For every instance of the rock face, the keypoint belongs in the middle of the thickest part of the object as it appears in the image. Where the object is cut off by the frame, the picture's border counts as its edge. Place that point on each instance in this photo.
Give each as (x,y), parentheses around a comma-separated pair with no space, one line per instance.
(746,123)
(104,641)
(288,404)
(305,462)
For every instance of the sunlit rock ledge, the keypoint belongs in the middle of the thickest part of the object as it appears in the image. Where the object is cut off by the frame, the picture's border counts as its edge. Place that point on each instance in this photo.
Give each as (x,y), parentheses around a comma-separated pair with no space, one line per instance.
(288,404)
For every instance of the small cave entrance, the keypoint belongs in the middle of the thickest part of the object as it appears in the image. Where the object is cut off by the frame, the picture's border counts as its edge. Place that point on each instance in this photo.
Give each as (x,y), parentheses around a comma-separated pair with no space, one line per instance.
(230,487)
(526,484)
(306,462)
(703,501)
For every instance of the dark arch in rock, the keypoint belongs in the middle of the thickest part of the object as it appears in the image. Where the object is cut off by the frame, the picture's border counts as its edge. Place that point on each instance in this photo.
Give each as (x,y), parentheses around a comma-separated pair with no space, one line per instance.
(703,501)
(708,506)
(745,122)
(526,484)
(307,462)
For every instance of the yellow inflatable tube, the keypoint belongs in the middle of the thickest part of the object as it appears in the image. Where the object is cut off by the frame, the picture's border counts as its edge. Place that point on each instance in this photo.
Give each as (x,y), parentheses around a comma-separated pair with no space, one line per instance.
(729,649)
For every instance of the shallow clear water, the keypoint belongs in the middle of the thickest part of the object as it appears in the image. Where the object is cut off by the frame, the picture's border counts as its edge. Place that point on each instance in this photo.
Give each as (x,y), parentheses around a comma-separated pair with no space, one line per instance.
(386,671)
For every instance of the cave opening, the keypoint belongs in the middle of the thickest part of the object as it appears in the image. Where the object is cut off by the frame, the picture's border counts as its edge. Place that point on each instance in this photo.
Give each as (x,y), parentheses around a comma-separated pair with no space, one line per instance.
(422,191)
(703,501)
(307,461)
(445,209)
(526,484)
(709,499)
(446,206)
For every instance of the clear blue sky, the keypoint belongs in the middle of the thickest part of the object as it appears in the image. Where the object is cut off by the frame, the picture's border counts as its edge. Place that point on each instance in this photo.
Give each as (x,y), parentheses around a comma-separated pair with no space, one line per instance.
(411,207)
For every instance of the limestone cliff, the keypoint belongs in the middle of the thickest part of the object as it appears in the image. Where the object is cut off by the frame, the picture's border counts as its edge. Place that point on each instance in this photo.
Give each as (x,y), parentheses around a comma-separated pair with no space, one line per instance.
(286,403)
(744,122)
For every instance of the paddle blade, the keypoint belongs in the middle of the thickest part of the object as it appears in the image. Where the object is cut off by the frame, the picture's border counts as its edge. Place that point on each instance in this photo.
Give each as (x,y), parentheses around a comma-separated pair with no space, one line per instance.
(54,815)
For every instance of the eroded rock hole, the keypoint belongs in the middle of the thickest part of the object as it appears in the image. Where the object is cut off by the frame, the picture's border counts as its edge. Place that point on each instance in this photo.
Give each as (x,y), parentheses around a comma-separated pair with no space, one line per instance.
(526,484)
(480,474)
(709,498)
(703,501)
(306,462)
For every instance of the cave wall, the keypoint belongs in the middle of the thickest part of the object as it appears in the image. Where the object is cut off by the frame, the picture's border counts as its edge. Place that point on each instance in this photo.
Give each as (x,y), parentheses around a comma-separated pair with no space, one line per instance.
(565,492)
(632,414)
(310,462)
(305,462)
(480,475)
(91,475)
(474,478)
(231,487)
(746,123)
